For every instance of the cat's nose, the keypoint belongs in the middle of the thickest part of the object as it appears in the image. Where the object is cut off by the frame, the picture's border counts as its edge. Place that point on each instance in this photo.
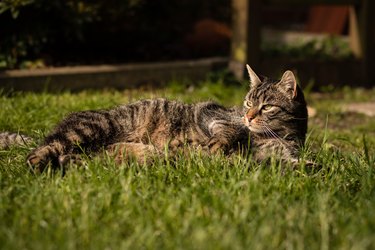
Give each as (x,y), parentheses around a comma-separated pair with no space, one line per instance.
(250,115)
(250,118)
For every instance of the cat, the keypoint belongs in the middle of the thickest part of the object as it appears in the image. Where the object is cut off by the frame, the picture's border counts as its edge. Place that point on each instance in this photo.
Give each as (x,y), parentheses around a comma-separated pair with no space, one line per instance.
(272,122)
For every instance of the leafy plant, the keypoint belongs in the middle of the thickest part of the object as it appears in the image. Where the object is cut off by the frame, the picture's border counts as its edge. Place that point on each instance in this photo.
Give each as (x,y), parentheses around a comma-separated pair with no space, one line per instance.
(14,6)
(93,32)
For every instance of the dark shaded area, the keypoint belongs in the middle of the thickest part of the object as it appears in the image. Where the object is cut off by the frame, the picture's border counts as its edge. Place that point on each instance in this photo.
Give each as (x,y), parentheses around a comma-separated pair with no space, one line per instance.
(112,31)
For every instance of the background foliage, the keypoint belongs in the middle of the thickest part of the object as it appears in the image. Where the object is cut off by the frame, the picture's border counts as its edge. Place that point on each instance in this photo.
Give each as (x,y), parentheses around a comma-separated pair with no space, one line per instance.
(61,32)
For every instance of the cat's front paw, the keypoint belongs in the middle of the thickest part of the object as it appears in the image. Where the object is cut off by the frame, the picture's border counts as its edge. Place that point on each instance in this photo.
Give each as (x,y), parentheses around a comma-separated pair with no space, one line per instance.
(70,159)
(215,145)
(40,157)
(36,162)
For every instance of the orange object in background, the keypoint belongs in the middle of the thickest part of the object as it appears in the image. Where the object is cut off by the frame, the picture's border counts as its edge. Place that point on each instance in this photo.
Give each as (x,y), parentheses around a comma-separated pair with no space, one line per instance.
(328,19)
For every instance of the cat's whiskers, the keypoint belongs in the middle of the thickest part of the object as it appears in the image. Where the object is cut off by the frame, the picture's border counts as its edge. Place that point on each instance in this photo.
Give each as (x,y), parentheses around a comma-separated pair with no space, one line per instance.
(271,133)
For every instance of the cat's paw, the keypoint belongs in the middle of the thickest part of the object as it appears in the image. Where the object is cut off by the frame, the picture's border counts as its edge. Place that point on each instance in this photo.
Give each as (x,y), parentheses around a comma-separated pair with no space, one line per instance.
(216,145)
(36,162)
(70,159)
(40,157)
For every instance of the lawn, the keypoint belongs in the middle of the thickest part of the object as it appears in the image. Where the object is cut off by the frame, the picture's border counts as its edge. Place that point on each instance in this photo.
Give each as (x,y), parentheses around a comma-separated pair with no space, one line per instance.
(196,201)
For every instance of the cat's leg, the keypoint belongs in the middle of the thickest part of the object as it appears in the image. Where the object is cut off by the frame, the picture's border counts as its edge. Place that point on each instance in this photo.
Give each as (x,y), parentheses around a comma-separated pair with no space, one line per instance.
(216,144)
(143,153)
(86,131)
(54,154)
(65,160)
(228,138)
(39,158)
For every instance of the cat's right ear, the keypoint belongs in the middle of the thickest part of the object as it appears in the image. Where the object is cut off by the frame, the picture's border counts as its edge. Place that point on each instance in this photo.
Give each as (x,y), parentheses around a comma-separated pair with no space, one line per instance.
(288,84)
(254,79)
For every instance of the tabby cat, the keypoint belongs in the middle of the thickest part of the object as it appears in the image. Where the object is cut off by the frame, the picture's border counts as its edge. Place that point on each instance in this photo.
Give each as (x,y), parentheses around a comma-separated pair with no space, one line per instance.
(273,121)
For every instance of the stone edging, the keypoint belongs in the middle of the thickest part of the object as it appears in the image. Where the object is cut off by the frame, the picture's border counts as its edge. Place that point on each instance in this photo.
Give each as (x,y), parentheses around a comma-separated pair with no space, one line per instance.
(108,76)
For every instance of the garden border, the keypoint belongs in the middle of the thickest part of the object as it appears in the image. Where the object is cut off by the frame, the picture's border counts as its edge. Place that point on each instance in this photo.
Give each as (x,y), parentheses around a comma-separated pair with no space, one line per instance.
(122,76)
(150,75)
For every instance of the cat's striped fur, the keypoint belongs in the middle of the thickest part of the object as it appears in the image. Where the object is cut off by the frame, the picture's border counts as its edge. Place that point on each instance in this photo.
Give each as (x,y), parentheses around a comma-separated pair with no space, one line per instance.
(273,120)
(8,139)
(145,127)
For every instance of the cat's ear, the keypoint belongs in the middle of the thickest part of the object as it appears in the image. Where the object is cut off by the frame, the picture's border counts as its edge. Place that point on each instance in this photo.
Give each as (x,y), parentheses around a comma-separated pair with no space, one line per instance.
(288,84)
(254,79)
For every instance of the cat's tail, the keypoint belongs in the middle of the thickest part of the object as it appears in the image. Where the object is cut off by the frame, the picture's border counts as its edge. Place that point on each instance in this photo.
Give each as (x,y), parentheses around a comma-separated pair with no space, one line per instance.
(8,139)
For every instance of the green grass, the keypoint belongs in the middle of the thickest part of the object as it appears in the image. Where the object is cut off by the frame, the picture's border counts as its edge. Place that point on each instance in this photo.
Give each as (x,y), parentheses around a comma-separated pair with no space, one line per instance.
(196,202)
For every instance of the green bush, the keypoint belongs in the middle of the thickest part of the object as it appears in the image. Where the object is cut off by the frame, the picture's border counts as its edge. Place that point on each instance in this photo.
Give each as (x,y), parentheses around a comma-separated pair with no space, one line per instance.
(61,32)
(13,6)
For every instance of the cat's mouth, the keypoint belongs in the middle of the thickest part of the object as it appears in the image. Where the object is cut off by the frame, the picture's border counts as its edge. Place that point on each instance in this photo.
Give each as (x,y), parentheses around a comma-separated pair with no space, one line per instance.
(262,129)
(256,128)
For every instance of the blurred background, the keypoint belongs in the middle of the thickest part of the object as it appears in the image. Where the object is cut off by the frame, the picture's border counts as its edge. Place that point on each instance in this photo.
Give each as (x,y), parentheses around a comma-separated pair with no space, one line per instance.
(114,31)
(319,41)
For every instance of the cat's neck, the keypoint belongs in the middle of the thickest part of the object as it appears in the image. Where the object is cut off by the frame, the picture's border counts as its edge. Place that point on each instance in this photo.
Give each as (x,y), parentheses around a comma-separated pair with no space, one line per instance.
(281,136)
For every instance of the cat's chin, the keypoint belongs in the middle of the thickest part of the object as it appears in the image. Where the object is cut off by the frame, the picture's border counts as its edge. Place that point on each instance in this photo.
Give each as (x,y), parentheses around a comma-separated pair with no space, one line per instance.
(256,130)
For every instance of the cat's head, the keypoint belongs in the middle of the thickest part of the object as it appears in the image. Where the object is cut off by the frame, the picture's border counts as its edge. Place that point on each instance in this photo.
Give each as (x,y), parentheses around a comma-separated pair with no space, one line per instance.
(275,108)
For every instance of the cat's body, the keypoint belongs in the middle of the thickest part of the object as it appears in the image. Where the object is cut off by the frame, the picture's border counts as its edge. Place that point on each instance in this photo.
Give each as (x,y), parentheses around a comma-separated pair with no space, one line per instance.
(272,122)
(150,125)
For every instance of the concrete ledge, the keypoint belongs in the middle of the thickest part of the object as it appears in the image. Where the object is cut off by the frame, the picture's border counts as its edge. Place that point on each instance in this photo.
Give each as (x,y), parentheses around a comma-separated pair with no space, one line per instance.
(108,76)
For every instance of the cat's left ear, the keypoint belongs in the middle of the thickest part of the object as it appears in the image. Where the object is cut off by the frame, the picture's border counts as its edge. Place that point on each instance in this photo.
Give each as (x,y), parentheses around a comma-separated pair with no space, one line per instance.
(288,84)
(254,79)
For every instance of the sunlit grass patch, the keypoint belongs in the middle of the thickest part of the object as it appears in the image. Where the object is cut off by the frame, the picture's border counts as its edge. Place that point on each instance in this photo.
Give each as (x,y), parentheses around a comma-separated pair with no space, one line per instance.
(193,201)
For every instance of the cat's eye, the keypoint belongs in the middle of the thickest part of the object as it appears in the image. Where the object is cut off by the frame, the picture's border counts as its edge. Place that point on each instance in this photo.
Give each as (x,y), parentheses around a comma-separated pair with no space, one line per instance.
(248,104)
(267,107)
